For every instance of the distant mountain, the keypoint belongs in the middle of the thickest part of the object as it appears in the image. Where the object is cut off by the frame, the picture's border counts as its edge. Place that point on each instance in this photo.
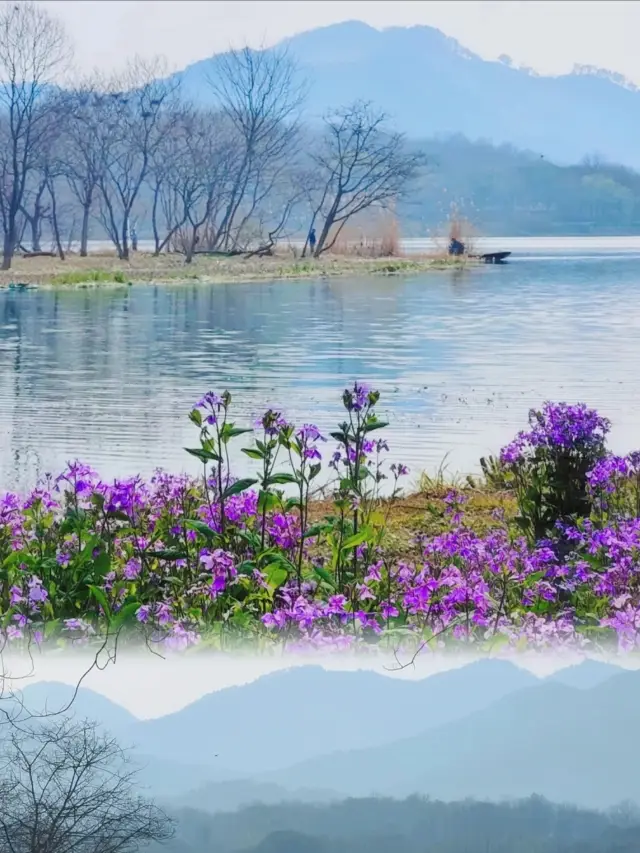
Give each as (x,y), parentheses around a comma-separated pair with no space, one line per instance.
(565,744)
(284,841)
(51,697)
(171,780)
(429,84)
(488,729)
(231,795)
(296,714)
(585,675)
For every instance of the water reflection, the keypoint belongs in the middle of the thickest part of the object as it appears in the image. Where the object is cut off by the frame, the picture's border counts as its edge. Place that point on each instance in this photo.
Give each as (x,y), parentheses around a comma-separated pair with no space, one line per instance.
(109,376)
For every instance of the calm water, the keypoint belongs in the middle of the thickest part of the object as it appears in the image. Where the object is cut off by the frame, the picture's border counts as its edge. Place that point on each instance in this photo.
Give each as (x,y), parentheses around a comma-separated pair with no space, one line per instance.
(460,357)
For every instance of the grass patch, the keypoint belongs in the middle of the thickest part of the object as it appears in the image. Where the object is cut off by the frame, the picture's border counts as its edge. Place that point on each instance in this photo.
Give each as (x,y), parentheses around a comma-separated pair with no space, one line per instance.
(93,276)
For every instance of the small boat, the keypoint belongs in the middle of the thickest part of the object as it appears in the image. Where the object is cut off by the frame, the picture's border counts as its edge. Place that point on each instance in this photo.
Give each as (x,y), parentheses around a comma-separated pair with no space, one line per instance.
(19,285)
(494,257)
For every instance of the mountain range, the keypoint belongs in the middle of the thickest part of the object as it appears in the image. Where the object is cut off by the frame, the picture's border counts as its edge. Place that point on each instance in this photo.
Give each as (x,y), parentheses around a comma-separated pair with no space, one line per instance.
(562,743)
(430,85)
(487,729)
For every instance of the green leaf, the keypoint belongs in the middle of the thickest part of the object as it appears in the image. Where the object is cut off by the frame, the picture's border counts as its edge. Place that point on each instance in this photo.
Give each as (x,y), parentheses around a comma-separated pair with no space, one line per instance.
(266,501)
(124,614)
(195,416)
(370,427)
(252,453)
(281,479)
(315,470)
(250,537)
(102,564)
(118,515)
(316,530)
(101,598)
(228,432)
(201,528)
(356,539)
(50,627)
(324,575)
(247,568)
(238,487)
(203,455)
(276,575)
(168,555)
(86,555)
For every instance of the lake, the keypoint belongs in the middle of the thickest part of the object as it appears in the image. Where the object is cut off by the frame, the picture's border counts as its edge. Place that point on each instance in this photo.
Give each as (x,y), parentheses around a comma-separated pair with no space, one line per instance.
(459,356)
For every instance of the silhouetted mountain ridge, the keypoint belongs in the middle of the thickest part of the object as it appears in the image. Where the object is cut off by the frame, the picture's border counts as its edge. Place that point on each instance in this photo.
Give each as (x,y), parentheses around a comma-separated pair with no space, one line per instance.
(430,84)
(554,740)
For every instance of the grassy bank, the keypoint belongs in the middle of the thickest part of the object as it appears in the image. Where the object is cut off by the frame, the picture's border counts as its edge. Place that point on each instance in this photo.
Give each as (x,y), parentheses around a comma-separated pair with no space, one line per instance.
(105,269)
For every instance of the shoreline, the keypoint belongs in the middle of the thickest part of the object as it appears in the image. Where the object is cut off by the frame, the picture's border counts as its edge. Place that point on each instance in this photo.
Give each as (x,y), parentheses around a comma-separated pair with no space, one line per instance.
(107,270)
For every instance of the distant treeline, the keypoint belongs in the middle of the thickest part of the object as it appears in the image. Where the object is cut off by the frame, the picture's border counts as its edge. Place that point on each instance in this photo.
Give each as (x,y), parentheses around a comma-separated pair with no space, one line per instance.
(414,825)
(506,192)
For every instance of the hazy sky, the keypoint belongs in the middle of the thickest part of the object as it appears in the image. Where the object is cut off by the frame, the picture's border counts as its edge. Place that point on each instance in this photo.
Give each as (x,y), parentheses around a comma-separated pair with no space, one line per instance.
(150,686)
(548,35)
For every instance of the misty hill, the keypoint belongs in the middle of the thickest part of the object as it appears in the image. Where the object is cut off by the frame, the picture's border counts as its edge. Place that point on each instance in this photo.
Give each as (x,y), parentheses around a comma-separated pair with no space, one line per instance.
(296,714)
(286,735)
(560,742)
(587,674)
(505,192)
(231,795)
(52,697)
(432,85)
(411,826)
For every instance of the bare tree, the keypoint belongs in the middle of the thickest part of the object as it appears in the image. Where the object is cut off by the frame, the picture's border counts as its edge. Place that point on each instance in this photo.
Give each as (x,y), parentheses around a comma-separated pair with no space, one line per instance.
(83,149)
(33,49)
(133,121)
(167,214)
(65,788)
(260,93)
(34,206)
(40,205)
(190,177)
(360,165)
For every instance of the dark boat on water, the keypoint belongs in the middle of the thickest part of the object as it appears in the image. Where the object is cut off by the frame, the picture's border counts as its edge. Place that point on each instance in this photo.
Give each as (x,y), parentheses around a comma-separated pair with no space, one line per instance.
(457,248)
(494,257)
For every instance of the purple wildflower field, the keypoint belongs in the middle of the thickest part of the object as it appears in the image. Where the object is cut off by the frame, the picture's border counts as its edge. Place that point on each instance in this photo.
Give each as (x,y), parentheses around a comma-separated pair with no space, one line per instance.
(216,561)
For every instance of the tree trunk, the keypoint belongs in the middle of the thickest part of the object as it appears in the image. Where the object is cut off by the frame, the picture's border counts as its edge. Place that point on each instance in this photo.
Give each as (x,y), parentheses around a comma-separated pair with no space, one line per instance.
(124,250)
(8,247)
(35,231)
(154,221)
(55,224)
(191,248)
(328,223)
(84,233)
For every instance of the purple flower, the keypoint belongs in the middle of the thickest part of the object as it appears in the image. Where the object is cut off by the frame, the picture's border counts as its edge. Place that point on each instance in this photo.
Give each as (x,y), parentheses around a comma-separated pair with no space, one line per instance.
(559,427)
(143,613)
(37,593)
(212,404)
(132,569)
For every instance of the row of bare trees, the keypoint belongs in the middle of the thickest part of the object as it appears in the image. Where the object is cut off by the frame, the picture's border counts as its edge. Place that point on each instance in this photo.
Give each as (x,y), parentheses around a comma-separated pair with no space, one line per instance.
(125,149)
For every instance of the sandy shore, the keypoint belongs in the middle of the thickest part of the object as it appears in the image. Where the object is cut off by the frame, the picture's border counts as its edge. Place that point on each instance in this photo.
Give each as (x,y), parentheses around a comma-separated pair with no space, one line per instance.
(103,269)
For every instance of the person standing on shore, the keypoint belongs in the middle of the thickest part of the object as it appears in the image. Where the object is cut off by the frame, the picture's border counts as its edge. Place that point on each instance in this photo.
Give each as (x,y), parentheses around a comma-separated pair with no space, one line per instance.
(312,239)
